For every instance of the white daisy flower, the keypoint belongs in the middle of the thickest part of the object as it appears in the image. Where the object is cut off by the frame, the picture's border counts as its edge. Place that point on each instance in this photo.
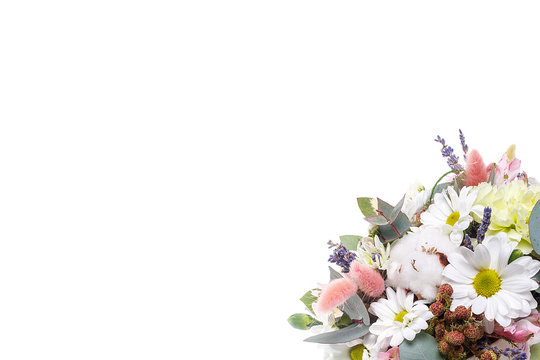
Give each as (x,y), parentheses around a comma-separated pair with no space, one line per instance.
(451,212)
(399,317)
(372,252)
(415,199)
(485,281)
(364,349)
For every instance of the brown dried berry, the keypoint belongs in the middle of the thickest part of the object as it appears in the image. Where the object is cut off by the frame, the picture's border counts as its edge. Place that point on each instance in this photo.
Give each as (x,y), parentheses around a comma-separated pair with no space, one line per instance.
(450,317)
(473,333)
(488,355)
(437,308)
(440,331)
(454,338)
(461,312)
(444,347)
(446,290)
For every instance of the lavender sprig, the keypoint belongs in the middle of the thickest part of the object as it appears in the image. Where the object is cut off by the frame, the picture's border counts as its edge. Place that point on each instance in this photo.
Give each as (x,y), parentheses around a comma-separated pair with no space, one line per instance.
(467,242)
(464,145)
(341,256)
(448,152)
(484,225)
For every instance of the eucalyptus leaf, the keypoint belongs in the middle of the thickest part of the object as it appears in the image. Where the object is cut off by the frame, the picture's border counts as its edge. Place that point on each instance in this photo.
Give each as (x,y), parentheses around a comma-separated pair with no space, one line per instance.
(397,209)
(537,279)
(534,227)
(350,241)
(334,274)
(441,187)
(367,206)
(401,224)
(350,333)
(355,308)
(423,347)
(492,175)
(376,220)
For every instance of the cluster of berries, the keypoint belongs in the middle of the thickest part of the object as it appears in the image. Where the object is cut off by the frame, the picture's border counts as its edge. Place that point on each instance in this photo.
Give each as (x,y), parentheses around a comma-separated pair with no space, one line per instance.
(458,331)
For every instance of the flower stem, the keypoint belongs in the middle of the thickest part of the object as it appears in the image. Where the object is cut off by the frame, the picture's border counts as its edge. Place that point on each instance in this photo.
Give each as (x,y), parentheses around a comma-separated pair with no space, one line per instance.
(438,181)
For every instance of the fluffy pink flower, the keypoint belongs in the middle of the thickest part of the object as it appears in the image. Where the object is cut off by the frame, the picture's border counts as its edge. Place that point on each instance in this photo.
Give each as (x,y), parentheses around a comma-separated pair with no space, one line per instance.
(392,354)
(475,169)
(368,280)
(505,170)
(520,331)
(334,295)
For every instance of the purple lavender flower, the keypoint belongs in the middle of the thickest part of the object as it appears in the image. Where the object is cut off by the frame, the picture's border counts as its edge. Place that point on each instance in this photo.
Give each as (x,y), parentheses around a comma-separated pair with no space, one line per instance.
(448,152)
(341,256)
(484,225)
(464,145)
(467,242)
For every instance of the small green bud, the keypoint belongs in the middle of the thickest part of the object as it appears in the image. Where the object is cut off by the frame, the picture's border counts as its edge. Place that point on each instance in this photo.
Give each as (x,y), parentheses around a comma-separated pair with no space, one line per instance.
(357,352)
(302,321)
(515,255)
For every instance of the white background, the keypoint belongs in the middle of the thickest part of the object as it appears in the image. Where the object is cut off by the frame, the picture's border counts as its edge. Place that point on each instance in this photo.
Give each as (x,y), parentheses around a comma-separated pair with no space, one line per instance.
(172,170)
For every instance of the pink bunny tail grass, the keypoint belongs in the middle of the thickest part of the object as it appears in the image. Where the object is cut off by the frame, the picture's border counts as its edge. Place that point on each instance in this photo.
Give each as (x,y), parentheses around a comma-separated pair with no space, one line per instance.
(335,294)
(369,280)
(475,169)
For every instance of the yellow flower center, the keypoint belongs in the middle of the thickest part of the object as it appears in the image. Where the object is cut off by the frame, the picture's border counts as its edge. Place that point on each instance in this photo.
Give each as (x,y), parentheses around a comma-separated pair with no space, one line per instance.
(453,218)
(487,283)
(399,317)
(357,352)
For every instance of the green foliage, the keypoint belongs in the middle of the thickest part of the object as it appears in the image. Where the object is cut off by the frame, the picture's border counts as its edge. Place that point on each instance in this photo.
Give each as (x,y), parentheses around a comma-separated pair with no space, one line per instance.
(350,241)
(423,347)
(534,227)
(350,333)
(302,321)
(366,205)
(354,307)
(308,299)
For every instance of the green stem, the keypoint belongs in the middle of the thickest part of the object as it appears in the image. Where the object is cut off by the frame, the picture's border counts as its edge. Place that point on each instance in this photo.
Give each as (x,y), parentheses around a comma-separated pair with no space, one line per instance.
(437,183)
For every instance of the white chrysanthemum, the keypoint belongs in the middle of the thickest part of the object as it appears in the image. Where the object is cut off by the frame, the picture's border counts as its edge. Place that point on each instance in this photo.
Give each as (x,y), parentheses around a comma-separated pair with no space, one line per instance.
(485,281)
(365,347)
(415,200)
(372,252)
(417,261)
(399,317)
(451,212)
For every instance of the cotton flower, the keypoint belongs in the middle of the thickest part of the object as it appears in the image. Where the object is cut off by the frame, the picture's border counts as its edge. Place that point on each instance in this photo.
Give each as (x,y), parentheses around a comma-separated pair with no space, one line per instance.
(372,252)
(511,206)
(417,261)
(399,317)
(451,213)
(485,281)
(415,199)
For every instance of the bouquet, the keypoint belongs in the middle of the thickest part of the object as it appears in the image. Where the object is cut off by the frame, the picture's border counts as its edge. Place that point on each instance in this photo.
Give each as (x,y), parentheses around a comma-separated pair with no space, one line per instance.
(449,272)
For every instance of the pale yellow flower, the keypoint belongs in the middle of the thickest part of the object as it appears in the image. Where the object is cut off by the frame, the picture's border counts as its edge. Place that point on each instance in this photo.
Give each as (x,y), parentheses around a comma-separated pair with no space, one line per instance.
(511,206)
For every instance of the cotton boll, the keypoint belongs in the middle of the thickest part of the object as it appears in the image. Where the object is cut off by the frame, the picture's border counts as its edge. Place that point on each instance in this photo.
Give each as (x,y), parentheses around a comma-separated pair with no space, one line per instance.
(417,261)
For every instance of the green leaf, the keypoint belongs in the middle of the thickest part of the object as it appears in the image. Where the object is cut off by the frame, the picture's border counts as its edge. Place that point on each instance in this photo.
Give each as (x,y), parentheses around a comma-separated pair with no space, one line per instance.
(344,335)
(367,206)
(534,227)
(537,278)
(423,347)
(441,187)
(350,241)
(396,210)
(401,224)
(535,351)
(354,307)
(492,174)
(376,220)
(308,299)
(302,321)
